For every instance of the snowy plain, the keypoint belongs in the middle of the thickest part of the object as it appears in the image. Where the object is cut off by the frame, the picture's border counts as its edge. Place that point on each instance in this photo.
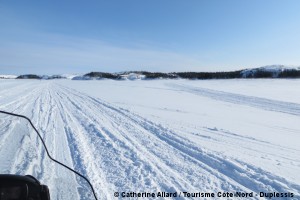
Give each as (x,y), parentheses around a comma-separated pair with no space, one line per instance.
(155,135)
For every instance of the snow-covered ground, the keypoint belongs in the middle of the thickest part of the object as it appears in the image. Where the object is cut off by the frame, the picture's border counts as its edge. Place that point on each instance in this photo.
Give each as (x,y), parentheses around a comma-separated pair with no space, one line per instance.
(155,136)
(7,76)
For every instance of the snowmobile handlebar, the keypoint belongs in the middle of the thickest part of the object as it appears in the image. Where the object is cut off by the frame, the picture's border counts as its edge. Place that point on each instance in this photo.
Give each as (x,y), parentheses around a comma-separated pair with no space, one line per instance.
(22,187)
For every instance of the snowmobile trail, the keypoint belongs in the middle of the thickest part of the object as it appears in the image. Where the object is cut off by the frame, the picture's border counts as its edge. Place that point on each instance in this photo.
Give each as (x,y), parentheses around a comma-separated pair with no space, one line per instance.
(117,149)
(262,103)
(181,158)
(26,153)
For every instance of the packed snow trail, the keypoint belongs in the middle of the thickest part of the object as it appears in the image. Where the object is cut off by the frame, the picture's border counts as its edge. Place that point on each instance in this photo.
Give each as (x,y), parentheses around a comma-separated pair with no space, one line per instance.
(263,103)
(118,150)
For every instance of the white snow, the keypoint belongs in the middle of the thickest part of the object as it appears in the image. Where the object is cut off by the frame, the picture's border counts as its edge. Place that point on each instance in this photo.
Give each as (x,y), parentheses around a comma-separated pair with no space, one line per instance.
(69,76)
(5,76)
(155,135)
(133,76)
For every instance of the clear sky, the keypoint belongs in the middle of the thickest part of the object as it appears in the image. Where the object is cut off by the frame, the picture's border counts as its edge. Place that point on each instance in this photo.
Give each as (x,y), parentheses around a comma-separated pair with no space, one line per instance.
(78,36)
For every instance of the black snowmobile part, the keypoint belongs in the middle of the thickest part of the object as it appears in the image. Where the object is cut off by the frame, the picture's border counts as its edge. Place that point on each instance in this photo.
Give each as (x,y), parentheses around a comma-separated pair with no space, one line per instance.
(16,187)
(48,154)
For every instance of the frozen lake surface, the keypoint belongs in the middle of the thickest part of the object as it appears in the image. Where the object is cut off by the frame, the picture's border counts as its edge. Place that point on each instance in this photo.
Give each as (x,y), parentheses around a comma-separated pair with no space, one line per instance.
(155,136)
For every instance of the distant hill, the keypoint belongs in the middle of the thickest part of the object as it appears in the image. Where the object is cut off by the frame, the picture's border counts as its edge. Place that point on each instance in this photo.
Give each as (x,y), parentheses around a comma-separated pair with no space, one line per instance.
(114,76)
(29,76)
(271,71)
(44,77)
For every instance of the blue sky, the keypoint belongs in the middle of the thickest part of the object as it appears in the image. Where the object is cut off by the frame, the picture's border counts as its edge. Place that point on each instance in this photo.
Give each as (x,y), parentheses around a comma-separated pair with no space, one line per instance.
(75,36)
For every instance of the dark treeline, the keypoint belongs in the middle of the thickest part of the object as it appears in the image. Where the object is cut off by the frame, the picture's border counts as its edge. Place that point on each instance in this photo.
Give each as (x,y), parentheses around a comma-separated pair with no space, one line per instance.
(256,73)
(103,75)
(290,74)
(33,76)
(209,75)
(29,76)
(174,75)
(253,73)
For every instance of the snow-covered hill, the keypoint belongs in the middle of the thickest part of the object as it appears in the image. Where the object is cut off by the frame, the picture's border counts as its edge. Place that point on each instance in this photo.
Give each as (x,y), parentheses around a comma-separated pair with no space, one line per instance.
(117,76)
(274,70)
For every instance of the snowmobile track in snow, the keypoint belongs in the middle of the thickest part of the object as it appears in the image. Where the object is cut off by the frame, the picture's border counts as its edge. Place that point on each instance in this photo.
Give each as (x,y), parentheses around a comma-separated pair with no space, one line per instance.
(262,103)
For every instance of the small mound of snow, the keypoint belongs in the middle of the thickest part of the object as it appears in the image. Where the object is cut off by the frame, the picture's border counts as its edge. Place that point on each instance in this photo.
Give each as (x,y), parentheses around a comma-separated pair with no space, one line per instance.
(133,76)
(69,76)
